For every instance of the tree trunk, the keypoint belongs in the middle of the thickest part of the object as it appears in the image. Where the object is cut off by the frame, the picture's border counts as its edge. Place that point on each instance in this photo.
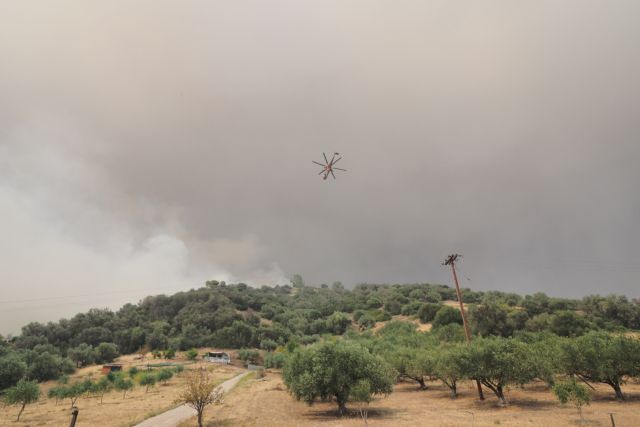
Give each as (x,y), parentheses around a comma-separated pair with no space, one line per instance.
(617,389)
(454,390)
(497,390)
(21,409)
(580,413)
(342,407)
(500,394)
(420,381)
(363,414)
(200,418)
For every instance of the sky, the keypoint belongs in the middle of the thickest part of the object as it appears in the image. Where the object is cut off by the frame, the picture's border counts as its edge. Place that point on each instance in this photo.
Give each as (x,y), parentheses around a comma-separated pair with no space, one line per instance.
(147,146)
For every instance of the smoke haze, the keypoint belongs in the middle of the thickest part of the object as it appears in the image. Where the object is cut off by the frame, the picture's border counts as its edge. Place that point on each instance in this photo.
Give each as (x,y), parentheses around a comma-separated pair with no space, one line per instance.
(148,146)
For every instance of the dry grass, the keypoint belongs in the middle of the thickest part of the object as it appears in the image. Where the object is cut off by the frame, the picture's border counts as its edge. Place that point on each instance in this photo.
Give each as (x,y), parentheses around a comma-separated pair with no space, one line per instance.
(114,411)
(266,403)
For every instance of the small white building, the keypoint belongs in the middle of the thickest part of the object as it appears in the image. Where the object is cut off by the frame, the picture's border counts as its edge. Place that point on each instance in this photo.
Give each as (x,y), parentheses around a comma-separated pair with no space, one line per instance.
(217,357)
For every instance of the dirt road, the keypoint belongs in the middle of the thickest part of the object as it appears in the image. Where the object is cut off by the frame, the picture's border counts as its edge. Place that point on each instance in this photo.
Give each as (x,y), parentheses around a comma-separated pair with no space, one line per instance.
(175,416)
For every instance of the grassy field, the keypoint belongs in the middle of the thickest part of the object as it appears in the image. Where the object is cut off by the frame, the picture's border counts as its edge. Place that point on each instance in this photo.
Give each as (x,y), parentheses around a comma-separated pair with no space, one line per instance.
(266,403)
(114,411)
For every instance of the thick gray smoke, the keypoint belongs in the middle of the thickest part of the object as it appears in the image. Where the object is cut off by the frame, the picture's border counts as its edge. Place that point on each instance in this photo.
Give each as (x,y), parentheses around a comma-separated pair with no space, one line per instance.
(147,146)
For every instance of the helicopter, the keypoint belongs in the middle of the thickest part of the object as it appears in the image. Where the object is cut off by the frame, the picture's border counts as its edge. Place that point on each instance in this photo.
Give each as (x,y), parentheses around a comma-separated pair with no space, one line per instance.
(329,166)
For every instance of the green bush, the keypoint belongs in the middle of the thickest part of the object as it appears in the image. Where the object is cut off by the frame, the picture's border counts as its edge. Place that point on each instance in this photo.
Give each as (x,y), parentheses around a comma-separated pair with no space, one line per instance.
(427,312)
(123,384)
(249,355)
(447,315)
(274,360)
(164,375)
(192,354)
(268,344)
(12,369)
(411,308)
(147,379)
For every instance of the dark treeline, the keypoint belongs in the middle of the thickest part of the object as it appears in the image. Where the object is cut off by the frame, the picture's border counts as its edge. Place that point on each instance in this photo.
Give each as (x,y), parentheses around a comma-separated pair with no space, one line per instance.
(239,316)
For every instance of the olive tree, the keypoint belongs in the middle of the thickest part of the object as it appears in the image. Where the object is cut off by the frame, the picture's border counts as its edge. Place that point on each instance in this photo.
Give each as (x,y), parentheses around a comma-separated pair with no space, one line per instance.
(74,391)
(164,375)
(571,391)
(411,363)
(498,362)
(23,393)
(448,366)
(147,379)
(12,369)
(100,387)
(82,354)
(602,357)
(123,384)
(331,369)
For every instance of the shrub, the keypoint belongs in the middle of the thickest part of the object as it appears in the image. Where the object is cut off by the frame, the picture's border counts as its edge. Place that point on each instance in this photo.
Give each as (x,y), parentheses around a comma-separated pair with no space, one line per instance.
(192,354)
(366,321)
(164,375)
(309,339)
(274,360)
(427,312)
(268,344)
(12,369)
(133,371)
(338,323)
(249,355)
(411,308)
(447,315)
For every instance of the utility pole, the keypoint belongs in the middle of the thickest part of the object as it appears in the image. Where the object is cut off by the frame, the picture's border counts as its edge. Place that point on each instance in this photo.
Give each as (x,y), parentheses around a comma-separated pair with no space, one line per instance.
(451,260)
(74,416)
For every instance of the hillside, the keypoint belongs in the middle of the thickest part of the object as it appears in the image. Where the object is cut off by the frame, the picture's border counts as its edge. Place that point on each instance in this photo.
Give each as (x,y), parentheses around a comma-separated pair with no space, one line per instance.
(238,316)
(411,333)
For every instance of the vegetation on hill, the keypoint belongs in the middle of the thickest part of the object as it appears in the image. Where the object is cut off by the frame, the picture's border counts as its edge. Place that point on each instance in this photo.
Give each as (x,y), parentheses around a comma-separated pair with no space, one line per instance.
(239,316)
